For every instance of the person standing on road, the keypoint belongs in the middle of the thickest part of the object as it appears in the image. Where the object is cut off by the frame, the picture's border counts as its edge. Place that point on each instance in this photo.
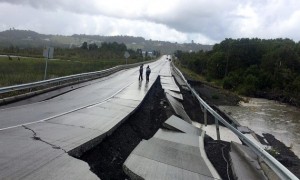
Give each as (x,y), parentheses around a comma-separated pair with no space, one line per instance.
(148,71)
(141,73)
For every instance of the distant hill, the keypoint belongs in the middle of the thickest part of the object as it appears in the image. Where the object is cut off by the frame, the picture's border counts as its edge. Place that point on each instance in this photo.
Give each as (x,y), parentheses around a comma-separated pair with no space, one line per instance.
(27,38)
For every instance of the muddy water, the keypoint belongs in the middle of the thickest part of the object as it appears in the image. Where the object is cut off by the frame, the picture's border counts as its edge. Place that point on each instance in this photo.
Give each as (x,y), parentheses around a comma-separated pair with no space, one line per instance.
(266,116)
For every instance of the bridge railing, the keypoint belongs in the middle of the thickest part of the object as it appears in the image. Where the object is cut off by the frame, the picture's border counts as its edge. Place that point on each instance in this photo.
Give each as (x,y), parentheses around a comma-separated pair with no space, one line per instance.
(72,78)
(276,166)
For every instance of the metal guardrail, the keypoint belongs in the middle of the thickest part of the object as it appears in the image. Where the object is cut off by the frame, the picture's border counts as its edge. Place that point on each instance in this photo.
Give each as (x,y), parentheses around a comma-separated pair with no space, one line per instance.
(78,77)
(276,166)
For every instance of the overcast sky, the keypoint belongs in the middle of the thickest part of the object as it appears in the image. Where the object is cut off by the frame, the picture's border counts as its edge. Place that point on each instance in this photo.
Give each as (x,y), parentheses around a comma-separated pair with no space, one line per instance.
(204,21)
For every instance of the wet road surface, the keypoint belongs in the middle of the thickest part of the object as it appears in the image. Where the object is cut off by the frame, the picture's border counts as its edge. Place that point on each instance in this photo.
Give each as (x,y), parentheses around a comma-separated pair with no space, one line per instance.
(72,101)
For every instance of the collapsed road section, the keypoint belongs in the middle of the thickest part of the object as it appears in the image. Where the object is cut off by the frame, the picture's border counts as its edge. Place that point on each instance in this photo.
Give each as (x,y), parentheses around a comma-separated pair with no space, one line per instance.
(107,158)
(37,139)
(147,124)
(144,131)
(174,150)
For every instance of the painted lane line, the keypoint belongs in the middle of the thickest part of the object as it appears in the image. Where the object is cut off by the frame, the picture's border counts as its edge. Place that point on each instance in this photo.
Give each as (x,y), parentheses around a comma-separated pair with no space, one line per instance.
(68,112)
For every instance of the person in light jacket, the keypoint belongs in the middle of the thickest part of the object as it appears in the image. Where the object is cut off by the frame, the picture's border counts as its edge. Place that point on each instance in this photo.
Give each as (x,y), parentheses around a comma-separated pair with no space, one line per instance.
(148,71)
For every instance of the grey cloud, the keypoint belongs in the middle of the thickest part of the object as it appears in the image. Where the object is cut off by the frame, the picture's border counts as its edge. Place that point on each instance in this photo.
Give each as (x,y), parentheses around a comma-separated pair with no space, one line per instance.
(35,4)
(74,6)
(212,19)
(209,18)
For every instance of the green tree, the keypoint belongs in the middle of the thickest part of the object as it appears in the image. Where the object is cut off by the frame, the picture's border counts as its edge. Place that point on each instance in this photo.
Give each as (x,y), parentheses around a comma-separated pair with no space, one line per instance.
(84,45)
(216,65)
(93,46)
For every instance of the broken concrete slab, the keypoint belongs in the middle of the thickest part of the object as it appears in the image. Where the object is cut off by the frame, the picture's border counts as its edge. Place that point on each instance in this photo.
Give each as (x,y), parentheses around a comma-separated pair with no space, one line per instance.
(225,133)
(170,87)
(178,108)
(178,124)
(63,167)
(244,163)
(179,79)
(187,140)
(178,145)
(244,129)
(167,80)
(174,94)
(174,102)
(138,167)
(176,137)
(172,156)
(252,137)
(168,83)
(177,155)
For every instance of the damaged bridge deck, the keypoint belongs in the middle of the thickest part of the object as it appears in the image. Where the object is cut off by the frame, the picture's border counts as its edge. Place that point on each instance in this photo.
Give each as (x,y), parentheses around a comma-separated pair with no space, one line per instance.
(38,140)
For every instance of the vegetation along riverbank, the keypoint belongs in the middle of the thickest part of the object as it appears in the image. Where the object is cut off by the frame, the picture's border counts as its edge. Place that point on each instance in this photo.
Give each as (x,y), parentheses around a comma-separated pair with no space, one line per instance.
(251,67)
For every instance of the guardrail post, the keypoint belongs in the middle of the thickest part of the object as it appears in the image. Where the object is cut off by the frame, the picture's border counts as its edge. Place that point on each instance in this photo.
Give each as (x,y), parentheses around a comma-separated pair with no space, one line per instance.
(217,128)
(276,166)
(205,117)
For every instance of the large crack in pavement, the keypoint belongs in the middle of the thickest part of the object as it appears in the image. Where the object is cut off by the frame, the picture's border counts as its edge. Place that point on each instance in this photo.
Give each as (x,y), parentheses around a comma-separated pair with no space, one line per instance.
(107,158)
(35,137)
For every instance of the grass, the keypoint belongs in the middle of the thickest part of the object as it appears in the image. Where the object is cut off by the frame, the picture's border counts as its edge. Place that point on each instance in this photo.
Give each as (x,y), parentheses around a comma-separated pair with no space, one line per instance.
(27,70)
(191,74)
(196,77)
(273,152)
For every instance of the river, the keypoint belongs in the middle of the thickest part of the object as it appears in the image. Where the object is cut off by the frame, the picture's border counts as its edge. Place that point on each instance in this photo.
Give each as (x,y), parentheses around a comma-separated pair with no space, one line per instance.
(267,116)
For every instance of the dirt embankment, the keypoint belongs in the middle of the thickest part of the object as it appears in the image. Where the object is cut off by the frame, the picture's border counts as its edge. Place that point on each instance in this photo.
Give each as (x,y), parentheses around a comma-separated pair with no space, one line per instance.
(219,96)
(215,96)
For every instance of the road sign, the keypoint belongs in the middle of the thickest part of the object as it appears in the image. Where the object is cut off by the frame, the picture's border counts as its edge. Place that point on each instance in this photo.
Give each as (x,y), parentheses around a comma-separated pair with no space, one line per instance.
(48,52)
(126,54)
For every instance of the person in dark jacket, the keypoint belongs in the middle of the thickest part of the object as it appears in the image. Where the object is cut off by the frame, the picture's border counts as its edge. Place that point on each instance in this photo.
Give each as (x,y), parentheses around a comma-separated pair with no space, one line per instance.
(141,73)
(148,71)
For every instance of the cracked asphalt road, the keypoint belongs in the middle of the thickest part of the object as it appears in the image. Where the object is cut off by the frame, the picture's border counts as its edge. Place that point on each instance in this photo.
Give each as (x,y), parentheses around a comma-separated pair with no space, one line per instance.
(35,137)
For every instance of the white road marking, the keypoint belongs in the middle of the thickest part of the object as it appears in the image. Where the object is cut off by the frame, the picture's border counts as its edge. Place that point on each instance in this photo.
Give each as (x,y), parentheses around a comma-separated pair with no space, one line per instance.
(68,112)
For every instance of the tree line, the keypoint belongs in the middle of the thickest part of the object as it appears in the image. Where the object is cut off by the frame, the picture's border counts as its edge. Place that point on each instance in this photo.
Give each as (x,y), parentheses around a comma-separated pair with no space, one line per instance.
(106,51)
(251,67)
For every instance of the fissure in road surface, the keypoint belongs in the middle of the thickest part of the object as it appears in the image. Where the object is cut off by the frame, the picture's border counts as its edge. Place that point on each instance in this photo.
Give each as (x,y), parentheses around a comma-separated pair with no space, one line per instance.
(35,137)
(106,159)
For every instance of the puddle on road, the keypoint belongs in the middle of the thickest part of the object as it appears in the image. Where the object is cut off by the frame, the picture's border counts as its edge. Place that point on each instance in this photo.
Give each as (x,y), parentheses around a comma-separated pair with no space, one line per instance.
(267,116)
